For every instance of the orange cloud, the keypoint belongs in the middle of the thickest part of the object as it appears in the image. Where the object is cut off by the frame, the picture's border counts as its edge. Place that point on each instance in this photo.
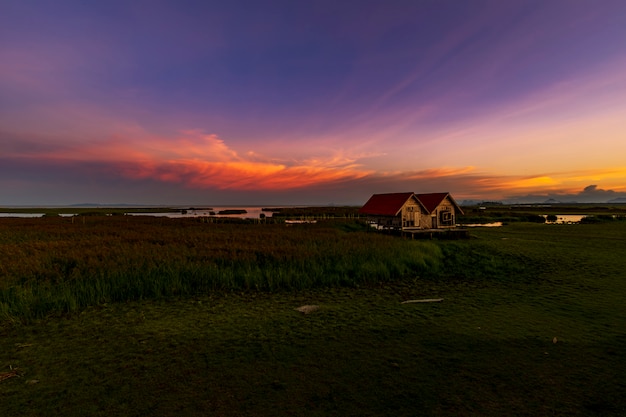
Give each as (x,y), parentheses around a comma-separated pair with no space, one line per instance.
(566,182)
(538,182)
(197,160)
(441,172)
(205,161)
(611,175)
(242,175)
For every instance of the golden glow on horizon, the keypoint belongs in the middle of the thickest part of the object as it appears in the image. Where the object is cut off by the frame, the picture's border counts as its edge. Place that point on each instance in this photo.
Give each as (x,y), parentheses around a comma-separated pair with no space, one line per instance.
(615,176)
(560,139)
(531,183)
(575,124)
(202,161)
(442,172)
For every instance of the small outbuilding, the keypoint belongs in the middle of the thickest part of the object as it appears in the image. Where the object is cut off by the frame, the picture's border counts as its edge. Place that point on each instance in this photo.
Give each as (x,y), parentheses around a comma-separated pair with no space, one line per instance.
(410,211)
(398,211)
(441,210)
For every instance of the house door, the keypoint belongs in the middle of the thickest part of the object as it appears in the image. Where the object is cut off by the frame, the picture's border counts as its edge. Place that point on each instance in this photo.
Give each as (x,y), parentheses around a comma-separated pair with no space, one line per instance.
(434,222)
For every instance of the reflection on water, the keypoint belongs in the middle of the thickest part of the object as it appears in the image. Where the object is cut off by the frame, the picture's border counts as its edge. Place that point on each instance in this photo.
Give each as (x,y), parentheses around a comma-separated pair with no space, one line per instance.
(256,211)
(251,213)
(494,224)
(560,219)
(22,215)
(566,218)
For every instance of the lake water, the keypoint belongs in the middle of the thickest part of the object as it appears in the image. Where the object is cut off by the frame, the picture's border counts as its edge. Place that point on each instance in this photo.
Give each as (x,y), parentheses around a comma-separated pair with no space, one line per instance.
(561,219)
(567,218)
(33,215)
(251,213)
(22,215)
(255,212)
(494,224)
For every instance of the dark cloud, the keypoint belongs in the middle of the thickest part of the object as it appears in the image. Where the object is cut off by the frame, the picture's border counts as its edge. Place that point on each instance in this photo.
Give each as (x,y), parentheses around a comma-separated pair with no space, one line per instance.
(589,194)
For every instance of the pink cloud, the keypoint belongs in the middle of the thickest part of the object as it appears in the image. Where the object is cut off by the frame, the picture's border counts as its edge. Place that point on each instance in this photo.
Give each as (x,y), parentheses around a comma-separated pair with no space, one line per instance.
(199,160)
(196,160)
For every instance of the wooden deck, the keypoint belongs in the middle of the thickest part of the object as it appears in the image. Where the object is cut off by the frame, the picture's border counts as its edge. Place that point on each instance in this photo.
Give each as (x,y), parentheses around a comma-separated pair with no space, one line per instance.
(452,233)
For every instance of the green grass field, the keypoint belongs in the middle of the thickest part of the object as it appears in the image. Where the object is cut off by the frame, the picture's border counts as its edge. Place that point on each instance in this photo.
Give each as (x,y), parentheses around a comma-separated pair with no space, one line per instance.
(166,318)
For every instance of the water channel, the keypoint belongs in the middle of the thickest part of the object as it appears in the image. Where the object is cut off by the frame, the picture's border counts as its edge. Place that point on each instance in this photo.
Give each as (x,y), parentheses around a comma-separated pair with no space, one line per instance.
(255,212)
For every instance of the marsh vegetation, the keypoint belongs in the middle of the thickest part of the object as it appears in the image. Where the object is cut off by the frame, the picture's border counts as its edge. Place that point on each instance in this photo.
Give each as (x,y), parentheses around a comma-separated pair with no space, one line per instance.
(136,316)
(58,266)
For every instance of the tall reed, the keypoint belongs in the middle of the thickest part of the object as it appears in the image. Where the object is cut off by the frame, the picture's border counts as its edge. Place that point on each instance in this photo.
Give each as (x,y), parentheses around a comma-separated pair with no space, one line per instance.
(52,265)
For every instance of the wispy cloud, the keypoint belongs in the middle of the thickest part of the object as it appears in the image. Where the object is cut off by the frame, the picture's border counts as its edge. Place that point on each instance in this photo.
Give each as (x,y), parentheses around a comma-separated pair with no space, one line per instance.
(197,160)
(485,99)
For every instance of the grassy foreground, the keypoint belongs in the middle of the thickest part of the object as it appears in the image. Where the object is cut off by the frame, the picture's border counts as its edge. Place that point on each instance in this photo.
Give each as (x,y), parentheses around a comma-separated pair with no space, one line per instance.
(56,265)
(487,350)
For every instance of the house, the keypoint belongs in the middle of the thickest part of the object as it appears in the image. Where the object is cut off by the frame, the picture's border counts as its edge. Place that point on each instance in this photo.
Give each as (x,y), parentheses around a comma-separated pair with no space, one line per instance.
(410,211)
(441,210)
(398,211)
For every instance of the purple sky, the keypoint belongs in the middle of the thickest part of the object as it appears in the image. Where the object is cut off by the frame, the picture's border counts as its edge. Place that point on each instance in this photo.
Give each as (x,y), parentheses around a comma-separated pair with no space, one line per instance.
(311,102)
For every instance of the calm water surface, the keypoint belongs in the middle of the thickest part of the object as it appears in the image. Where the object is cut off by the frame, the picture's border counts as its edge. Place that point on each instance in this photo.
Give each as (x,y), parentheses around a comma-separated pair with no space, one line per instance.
(22,215)
(567,218)
(561,219)
(494,224)
(255,213)
(251,213)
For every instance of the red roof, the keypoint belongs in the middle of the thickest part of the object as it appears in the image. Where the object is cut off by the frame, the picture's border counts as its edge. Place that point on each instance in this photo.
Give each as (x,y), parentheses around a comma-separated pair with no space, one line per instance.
(385,204)
(432,200)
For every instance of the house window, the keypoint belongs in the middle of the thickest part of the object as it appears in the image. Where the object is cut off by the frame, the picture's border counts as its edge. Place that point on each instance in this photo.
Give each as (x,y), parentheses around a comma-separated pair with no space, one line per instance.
(446,217)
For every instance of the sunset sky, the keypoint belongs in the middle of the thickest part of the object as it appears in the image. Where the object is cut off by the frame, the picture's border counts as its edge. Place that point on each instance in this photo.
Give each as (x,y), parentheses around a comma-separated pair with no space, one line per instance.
(311,102)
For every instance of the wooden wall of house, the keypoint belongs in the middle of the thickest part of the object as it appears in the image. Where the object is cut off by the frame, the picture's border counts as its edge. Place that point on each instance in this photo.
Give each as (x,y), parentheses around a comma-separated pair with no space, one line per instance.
(426,221)
(446,206)
(434,220)
(411,214)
